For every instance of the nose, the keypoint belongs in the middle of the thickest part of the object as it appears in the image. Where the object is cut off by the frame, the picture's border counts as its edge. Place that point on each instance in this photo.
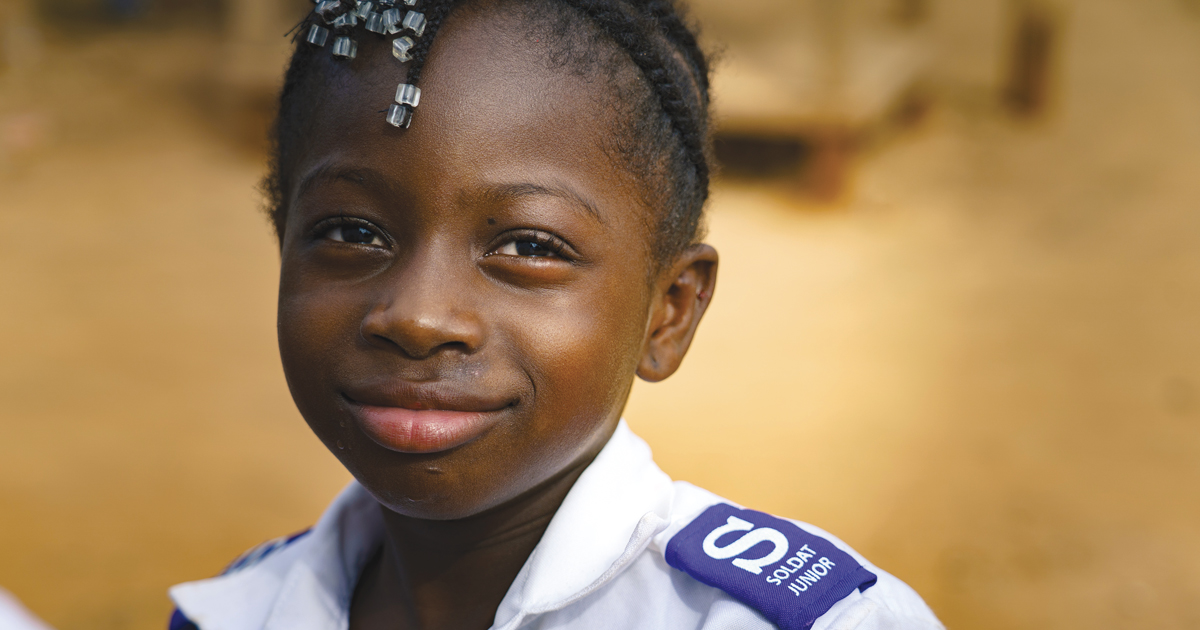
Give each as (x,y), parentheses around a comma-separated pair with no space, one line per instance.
(422,311)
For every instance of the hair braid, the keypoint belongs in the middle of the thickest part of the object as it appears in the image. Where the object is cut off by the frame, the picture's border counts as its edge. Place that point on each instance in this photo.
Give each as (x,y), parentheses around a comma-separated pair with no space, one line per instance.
(673,27)
(634,32)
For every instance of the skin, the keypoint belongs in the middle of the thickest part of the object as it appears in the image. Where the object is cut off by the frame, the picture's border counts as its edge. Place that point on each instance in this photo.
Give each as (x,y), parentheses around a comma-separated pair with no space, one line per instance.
(500,267)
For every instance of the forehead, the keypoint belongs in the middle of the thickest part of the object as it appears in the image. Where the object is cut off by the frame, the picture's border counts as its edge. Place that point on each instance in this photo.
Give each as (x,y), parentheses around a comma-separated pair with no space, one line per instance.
(497,99)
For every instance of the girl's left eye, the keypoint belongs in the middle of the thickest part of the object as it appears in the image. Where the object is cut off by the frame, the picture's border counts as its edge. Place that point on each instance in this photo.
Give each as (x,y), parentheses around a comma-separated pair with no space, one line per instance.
(527,248)
(355,234)
(533,246)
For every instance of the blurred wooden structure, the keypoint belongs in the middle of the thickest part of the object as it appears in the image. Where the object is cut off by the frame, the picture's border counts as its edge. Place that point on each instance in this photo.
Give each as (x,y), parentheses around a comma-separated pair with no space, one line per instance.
(1036,29)
(804,88)
(840,69)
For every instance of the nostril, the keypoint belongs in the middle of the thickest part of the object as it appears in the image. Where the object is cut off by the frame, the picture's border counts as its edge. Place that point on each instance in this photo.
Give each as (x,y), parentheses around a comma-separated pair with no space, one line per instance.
(415,348)
(383,339)
(385,342)
(420,328)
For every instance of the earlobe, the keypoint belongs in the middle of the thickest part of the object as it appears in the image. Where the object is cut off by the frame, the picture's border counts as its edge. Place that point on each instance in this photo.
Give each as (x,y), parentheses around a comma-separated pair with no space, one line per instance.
(682,298)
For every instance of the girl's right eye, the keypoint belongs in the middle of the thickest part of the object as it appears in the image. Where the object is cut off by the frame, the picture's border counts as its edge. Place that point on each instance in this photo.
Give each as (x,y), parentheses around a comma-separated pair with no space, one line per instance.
(355,234)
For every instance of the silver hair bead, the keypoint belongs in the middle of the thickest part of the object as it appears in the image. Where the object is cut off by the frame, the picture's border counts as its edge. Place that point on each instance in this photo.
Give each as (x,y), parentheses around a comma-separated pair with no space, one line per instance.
(375,23)
(346,19)
(399,115)
(391,21)
(414,22)
(345,48)
(327,10)
(317,35)
(411,3)
(401,47)
(408,94)
(363,9)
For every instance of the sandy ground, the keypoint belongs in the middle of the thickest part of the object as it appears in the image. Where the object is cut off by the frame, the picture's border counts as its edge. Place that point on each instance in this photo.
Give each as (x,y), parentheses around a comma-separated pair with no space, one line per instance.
(983,370)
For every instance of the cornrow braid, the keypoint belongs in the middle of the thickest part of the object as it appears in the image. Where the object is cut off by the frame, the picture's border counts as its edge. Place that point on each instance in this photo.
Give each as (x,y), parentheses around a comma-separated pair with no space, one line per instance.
(634,33)
(670,135)
(673,27)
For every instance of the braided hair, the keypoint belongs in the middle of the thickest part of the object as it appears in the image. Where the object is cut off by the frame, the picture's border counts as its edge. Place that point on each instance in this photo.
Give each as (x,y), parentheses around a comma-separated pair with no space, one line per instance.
(664,135)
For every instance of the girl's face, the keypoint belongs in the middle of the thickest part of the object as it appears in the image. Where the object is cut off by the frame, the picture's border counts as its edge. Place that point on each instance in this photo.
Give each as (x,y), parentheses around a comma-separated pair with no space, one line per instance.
(463,304)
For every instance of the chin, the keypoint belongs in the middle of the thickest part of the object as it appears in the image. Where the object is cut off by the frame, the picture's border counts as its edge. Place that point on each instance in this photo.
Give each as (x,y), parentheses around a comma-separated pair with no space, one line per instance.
(428,487)
(434,506)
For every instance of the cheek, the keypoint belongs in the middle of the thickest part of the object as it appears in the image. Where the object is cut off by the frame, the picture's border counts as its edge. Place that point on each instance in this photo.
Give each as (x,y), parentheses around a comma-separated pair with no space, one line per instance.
(314,328)
(587,352)
(317,331)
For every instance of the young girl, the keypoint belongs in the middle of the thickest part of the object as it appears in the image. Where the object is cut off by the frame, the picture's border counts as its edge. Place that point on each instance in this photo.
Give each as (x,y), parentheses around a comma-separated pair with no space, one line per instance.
(488,214)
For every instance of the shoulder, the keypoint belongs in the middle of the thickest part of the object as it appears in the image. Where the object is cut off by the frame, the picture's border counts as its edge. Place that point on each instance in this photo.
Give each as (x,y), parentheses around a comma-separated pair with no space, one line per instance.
(250,558)
(787,572)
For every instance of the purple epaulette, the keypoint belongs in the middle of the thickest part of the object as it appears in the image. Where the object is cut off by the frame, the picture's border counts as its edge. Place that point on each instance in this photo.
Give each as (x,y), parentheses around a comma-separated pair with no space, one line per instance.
(180,622)
(789,575)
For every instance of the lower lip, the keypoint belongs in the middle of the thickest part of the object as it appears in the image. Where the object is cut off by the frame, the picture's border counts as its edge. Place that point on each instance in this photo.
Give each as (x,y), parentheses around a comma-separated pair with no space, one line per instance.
(424,430)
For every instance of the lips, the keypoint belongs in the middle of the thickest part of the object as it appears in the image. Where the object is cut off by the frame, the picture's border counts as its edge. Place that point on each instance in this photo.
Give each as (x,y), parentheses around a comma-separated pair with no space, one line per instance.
(408,418)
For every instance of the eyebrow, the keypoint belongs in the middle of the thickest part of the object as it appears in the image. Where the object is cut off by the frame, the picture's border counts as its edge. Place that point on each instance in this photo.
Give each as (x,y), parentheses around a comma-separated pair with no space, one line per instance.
(510,192)
(330,172)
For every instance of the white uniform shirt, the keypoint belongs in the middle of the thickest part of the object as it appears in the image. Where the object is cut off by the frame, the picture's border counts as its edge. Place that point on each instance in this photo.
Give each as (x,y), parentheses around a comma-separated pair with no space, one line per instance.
(600,565)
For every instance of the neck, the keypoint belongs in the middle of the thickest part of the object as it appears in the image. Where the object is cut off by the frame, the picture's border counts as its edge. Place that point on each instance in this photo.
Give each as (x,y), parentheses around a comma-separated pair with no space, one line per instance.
(454,574)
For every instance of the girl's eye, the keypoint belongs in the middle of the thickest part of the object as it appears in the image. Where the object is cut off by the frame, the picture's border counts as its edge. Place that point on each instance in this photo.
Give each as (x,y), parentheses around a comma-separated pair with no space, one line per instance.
(355,234)
(526,248)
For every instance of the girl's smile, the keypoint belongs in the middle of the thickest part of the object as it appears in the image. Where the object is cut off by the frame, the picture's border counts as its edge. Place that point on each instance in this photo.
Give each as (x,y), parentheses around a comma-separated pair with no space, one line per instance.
(424,417)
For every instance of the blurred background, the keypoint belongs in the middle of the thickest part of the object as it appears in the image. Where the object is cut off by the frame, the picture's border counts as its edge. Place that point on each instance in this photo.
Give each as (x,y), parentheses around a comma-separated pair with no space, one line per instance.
(956,322)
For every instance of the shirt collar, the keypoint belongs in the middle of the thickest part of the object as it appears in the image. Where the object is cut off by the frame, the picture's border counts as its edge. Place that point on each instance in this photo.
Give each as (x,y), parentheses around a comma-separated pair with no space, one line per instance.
(610,515)
(619,502)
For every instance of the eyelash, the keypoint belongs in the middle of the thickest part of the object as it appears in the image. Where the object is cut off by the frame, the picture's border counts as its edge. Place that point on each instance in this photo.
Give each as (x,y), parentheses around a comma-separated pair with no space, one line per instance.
(324,229)
(556,245)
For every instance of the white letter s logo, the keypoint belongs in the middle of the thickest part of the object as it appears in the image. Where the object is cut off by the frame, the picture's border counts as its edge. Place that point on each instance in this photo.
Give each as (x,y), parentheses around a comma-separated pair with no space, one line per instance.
(745,543)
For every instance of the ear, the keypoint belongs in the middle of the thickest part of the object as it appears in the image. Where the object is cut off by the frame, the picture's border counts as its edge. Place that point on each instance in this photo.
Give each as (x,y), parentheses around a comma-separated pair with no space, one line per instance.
(681,296)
